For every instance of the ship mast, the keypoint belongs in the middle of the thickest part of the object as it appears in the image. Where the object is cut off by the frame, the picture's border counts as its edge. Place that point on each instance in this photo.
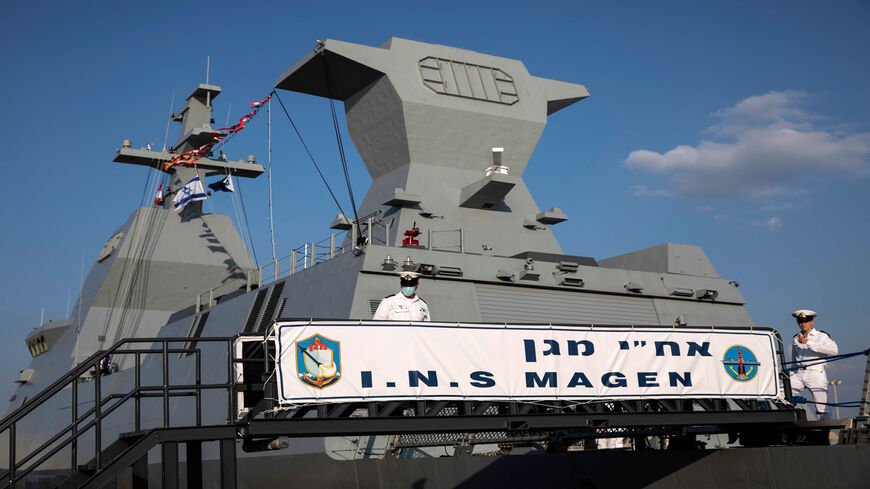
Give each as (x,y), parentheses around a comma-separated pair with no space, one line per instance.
(196,130)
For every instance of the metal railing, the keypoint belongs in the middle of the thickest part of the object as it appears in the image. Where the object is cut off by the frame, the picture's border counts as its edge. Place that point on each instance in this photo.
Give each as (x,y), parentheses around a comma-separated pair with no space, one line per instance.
(368,230)
(300,258)
(303,257)
(20,465)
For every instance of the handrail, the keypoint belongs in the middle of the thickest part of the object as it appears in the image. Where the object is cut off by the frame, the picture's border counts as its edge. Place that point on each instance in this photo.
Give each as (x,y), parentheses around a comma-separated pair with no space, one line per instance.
(83,367)
(302,257)
(80,423)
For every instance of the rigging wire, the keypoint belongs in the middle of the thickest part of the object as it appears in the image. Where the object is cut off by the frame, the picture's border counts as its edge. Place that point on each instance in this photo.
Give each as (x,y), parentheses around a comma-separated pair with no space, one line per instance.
(247,226)
(338,139)
(343,159)
(134,274)
(168,121)
(132,259)
(309,153)
(140,271)
(236,214)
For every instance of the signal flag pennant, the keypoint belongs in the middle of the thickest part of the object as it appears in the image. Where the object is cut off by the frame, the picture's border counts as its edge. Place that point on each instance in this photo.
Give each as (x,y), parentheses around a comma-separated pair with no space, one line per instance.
(225,185)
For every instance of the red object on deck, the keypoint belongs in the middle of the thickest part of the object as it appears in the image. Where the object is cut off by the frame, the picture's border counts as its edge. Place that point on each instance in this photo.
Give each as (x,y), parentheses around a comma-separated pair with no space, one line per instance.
(410,235)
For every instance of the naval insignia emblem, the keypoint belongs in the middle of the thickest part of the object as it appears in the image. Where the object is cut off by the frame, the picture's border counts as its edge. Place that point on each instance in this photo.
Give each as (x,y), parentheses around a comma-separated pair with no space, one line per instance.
(740,363)
(318,361)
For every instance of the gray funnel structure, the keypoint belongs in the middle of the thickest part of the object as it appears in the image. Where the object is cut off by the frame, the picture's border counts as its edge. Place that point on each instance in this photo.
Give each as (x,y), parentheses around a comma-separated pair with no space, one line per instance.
(425,119)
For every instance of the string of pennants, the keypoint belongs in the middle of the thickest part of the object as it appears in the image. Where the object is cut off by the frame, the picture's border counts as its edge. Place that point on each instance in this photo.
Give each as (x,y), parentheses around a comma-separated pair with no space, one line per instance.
(219,136)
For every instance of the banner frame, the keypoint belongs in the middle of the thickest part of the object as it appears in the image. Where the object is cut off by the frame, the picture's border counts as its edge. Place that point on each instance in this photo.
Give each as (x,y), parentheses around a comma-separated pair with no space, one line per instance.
(771,333)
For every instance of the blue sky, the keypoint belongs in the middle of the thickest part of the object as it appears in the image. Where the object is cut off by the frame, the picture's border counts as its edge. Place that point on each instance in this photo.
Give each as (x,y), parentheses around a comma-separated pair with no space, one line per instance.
(740,127)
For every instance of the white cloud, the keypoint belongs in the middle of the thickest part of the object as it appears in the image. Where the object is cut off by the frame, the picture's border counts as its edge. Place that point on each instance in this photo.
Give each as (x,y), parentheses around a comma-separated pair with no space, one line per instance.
(642,191)
(765,145)
(772,224)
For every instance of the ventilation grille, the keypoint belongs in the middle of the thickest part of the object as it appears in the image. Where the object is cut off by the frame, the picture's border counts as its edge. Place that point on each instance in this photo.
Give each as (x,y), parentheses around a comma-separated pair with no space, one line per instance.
(264,325)
(196,331)
(373,305)
(466,80)
(271,305)
(520,304)
(255,310)
(281,308)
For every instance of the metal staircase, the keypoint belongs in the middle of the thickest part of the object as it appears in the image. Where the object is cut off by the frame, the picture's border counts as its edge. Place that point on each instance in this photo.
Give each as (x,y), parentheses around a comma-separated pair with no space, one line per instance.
(129,450)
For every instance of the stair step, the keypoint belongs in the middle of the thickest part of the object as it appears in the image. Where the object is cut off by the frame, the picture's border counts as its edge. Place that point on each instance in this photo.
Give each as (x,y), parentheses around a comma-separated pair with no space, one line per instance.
(133,436)
(110,452)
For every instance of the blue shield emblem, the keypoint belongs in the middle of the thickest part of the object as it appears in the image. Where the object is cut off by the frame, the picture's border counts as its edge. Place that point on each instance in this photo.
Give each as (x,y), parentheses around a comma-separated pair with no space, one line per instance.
(318,361)
(740,363)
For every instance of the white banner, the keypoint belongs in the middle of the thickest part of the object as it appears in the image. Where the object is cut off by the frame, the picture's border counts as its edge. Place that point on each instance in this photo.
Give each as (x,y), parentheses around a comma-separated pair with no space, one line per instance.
(352,361)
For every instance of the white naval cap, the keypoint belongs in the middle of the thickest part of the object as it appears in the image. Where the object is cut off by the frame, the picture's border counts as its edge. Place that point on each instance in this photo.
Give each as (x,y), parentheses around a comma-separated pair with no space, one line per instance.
(804,314)
(409,275)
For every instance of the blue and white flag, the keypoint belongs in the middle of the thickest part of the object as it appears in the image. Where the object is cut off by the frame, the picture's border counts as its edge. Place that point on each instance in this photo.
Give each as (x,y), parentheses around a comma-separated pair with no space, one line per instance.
(225,185)
(192,191)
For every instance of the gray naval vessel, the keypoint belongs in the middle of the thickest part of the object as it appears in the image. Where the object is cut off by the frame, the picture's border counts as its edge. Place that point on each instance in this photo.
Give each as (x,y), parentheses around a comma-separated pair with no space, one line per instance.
(163,375)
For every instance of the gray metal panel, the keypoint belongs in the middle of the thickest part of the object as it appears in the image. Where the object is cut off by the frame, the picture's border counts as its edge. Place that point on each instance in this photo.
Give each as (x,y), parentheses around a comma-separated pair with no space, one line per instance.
(520,304)
(668,257)
(702,313)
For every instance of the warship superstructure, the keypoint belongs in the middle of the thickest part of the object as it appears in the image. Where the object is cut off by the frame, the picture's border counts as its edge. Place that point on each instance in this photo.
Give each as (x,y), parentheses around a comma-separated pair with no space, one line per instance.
(446,135)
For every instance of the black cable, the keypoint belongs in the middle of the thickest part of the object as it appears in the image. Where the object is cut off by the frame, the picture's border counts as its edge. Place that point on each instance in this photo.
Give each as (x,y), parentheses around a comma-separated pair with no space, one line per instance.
(309,153)
(132,239)
(247,226)
(338,137)
(136,295)
(343,158)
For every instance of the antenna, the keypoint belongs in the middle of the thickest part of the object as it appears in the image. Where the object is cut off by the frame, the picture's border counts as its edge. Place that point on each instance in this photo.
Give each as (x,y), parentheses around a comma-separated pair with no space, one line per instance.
(207,69)
(81,290)
(269,163)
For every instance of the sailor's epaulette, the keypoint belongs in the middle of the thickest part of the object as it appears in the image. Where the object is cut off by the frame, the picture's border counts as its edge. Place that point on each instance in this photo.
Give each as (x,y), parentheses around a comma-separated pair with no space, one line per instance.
(795,335)
(823,331)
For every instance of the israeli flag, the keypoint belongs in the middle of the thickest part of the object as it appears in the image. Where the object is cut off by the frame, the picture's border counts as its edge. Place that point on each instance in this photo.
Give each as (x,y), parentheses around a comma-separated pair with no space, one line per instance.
(192,191)
(225,185)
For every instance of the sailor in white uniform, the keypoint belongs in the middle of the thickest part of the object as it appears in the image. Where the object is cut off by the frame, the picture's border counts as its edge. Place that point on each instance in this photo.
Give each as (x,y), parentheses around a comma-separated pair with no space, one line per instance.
(808,345)
(406,305)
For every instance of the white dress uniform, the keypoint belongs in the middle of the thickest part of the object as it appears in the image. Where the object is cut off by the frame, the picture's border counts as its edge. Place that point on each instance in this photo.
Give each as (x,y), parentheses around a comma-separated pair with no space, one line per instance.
(397,307)
(812,377)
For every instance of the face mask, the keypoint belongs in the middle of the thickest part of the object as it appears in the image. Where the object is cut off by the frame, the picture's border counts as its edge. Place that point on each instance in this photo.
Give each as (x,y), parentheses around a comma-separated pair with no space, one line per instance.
(408,291)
